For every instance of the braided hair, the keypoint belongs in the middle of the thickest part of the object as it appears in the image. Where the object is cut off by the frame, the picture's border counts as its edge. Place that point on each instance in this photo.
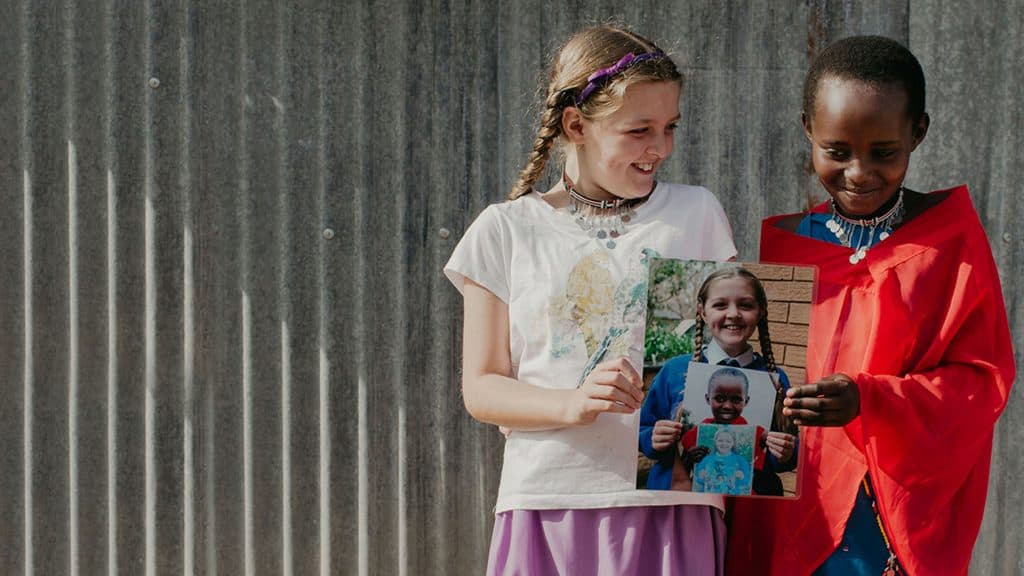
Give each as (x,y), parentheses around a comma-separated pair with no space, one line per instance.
(585,52)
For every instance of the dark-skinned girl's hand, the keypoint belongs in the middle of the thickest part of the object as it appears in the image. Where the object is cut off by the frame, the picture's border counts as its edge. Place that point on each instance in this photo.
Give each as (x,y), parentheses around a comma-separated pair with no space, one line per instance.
(692,456)
(832,401)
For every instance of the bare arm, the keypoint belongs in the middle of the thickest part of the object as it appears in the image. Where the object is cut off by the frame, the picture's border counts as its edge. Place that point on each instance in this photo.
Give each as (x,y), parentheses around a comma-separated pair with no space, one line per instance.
(492,395)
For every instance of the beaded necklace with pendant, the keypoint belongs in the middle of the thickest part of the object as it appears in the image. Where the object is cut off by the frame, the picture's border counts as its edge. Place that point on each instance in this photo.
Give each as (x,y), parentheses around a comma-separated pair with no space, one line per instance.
(603,220)
(859,234)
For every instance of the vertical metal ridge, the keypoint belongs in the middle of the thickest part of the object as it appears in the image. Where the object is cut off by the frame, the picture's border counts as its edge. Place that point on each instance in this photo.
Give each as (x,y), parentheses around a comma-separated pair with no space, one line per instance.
(28,373)
(250,559)
(245,193)
(284,302)
(325,447)
(400,381)
(210,482)
(362,433)
(363,457)
(400,336)
(323,304)
(109,157)
(73,360)
(150,368)
(74,365)
(403,473)
(188,377)
(188,300)
(482,495)
(286,450)
(111,374)
(359,208)
(29,370)
(150,311)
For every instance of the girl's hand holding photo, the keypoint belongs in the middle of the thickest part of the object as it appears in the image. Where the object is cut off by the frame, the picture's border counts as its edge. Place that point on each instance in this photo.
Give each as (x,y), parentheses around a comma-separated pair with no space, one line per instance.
(693,456)
(613,386)
(780,445)
(665,434)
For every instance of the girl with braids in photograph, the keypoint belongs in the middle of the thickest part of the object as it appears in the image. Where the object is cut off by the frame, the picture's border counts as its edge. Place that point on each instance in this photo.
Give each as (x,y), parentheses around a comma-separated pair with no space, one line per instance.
(554,289)
(732,304)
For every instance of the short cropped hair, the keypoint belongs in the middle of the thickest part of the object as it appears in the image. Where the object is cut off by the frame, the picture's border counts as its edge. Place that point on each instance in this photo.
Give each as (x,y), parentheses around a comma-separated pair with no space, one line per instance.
(871,59)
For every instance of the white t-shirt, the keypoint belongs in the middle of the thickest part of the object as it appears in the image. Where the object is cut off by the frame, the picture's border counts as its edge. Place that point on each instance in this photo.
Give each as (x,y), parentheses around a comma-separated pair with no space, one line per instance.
(569,297)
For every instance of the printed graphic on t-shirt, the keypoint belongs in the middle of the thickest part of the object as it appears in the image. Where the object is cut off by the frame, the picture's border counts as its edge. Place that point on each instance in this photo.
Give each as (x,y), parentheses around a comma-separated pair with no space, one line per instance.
(598,312)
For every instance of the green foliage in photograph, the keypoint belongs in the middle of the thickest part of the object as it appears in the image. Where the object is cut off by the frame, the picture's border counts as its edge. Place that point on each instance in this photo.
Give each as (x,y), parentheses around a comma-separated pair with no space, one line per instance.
(662,343)
(672,306)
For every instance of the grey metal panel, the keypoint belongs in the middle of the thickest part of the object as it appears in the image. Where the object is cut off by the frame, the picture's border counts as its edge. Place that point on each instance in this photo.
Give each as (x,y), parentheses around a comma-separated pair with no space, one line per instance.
(126,74)
(347,196)
(213,385)
(47,316)
(301,240)
(87,231)
(13,294)
(970,54)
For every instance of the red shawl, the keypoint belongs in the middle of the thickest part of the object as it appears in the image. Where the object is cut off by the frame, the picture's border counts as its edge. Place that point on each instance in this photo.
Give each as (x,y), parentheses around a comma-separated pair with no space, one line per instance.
(921,326)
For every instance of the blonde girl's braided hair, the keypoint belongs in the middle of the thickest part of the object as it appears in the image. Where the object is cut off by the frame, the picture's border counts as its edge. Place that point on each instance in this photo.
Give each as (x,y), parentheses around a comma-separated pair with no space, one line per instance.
(586,54)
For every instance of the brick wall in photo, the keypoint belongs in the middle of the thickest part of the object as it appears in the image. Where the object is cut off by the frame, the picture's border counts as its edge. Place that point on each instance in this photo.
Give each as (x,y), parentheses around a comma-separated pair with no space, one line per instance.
(789,290)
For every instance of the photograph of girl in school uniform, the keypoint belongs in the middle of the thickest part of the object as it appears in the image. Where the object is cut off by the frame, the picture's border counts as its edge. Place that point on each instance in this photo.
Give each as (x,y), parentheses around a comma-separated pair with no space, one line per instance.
(723,342)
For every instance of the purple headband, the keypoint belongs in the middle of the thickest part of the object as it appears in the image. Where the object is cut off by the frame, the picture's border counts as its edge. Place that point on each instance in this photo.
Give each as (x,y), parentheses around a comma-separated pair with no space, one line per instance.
(598,79)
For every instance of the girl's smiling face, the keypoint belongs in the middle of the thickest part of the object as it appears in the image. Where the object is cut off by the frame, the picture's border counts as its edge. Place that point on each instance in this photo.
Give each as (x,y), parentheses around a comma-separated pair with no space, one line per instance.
(727,398)
(724,443)
(731,313)
(861,137)
(618,154)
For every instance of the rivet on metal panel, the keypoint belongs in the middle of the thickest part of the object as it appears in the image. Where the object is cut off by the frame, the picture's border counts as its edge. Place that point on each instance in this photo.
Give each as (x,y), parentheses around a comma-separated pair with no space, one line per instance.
(328,234)
(444,233)
(1007,238)
(154,82)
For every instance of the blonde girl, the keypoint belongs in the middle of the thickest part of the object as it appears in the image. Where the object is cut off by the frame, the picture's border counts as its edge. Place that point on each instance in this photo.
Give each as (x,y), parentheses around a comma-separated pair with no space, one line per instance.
(554,288)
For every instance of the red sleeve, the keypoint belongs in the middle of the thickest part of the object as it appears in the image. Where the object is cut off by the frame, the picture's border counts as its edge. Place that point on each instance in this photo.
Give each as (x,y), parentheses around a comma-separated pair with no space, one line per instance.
(759,449)
(689,440)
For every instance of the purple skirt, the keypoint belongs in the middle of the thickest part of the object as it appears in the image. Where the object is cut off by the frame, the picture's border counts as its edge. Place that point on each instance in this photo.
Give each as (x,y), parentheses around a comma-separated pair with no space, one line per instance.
(614,541)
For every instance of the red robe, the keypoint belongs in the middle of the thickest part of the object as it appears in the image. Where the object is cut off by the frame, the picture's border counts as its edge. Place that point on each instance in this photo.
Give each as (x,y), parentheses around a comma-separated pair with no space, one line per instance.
(921,326)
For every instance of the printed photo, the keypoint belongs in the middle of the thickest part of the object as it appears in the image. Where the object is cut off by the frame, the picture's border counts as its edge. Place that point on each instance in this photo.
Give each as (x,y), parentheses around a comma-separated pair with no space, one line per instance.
(728,461)
(723,342)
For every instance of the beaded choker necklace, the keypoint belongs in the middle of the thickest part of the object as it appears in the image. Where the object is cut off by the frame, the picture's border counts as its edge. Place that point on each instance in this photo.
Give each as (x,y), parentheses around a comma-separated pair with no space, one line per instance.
(604,220)
(859,234)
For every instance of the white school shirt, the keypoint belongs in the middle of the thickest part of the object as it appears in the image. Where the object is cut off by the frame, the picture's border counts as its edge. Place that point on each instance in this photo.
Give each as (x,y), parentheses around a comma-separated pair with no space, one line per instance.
(568,298)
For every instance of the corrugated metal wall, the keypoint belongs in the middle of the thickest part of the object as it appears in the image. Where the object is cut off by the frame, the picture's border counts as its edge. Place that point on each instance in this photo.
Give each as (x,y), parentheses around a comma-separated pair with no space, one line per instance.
(226,346)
